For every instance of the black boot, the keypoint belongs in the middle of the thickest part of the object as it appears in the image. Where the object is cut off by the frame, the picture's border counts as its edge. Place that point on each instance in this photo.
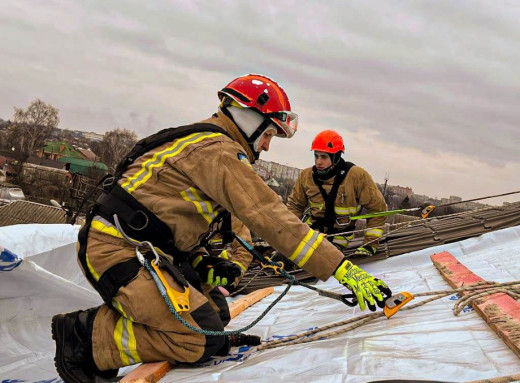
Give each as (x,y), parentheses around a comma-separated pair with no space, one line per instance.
(73,335)
(241,339)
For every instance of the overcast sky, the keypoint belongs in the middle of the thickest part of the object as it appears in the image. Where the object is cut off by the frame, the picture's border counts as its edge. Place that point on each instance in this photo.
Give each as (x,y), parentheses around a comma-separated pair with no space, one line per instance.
(427,92)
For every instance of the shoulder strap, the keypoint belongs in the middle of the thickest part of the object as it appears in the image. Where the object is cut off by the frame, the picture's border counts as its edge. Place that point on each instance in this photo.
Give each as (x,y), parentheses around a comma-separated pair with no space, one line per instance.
(169,134)
(137,220)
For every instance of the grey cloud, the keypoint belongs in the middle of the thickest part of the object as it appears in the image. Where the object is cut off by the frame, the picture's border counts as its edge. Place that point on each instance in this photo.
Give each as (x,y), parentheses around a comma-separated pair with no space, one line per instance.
(445,71)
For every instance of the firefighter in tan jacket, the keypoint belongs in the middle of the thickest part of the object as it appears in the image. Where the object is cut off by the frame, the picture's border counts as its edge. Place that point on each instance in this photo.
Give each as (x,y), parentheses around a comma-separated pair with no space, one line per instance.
(326,195)
(178,188)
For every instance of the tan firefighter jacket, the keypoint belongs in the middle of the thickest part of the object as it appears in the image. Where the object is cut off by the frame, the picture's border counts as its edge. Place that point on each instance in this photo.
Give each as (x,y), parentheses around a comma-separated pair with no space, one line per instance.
(187,182)
(357,191)
(234,251)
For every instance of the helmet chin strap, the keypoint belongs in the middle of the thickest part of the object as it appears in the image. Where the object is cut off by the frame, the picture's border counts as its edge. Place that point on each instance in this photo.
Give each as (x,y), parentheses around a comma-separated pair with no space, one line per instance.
(329,172)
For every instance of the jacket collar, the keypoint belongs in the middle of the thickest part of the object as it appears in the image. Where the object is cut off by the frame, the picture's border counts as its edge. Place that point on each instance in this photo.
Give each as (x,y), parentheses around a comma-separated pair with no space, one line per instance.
(221,120)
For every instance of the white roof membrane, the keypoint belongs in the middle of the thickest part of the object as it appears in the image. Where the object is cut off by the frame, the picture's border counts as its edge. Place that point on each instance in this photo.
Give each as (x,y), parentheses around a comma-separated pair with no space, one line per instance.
(426,343)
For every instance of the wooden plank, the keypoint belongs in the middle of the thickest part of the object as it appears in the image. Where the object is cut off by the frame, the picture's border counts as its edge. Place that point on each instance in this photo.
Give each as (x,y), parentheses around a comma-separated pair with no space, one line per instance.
(152,372)
(250,299)
(148,373)
(500,311)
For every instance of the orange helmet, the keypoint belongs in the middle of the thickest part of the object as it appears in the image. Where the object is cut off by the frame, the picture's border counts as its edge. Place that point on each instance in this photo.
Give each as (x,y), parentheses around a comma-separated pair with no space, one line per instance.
(328,141)
(266,97)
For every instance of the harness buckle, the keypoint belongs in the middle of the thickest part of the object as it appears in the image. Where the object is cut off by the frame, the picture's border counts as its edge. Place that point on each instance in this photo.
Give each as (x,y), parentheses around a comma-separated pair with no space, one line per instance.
(108,182)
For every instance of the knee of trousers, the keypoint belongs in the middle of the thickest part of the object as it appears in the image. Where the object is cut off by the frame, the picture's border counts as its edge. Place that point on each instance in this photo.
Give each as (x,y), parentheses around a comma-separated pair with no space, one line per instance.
(208,319)
(215,345)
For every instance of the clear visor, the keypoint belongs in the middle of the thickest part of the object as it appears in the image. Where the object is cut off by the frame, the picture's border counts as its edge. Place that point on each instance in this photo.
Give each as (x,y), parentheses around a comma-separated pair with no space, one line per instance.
(287,123)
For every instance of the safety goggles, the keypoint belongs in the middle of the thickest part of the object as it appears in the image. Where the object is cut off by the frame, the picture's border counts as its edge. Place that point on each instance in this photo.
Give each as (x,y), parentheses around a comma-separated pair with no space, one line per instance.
(286,121)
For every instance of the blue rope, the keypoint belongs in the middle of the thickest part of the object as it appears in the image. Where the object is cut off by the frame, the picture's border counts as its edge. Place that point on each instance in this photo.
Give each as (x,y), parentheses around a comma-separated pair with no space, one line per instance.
(162,290)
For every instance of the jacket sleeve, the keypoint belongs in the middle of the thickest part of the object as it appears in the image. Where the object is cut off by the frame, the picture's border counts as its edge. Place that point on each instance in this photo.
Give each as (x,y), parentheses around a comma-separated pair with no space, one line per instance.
(235,185)
(237,253)
(372,200)
(297,201)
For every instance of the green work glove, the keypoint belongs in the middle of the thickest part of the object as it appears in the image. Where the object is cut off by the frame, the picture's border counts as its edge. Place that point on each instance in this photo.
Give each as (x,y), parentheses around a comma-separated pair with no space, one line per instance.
(368,290)
(216,271)
(364,251)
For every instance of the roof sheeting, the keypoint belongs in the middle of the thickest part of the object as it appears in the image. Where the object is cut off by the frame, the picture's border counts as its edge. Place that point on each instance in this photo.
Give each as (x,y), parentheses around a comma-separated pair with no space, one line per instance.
(80,165)
(423,233)
(22,212)
(427,342)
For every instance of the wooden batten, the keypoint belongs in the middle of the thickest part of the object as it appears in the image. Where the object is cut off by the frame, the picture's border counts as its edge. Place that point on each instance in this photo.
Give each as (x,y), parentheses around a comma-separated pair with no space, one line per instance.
(500,311)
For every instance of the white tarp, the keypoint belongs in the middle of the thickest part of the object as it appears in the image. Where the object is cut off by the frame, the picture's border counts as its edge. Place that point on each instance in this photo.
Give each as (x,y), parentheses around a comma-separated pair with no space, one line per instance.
(426,343)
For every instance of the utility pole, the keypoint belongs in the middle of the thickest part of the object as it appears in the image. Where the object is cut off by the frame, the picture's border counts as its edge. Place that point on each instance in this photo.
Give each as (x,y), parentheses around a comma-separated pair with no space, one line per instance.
(384,186)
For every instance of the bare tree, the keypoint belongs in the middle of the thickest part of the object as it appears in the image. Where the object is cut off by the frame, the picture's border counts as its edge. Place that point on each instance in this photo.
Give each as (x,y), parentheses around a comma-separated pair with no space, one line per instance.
(33,125)
(115,144)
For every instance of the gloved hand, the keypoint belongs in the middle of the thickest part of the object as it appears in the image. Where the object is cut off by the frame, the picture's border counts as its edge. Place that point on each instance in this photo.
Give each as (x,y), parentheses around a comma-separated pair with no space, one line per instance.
(216,271)
(363,285)
(364,251)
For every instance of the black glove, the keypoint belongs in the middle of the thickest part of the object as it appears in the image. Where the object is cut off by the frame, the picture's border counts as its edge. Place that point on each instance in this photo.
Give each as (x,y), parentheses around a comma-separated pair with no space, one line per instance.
(216,271)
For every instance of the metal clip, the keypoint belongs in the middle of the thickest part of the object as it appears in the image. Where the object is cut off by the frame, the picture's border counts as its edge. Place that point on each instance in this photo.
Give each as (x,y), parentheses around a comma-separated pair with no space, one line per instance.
(395,302)
(139,256)
(425,212)
(276,266)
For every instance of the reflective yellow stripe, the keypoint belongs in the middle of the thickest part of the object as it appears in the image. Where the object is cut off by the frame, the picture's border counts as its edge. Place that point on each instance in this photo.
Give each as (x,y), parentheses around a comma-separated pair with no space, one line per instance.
(117,305)
(303,252)
(103,226)
(91,269)
(224,254)
(159,158)
(315,205)
(241,265)
(374,233)
(126,342)
(347,210)
(203,207)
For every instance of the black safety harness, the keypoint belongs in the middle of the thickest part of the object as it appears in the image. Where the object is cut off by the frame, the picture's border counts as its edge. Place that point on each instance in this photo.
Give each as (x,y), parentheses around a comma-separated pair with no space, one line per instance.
(326,223)
(137,221)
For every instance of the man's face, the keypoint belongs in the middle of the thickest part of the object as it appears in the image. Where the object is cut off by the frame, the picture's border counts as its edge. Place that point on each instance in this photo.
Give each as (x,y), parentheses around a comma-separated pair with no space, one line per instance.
(322,160)
(265,140)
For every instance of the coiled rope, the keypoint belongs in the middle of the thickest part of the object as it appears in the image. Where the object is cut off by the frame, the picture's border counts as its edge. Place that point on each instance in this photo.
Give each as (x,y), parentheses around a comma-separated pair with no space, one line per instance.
(479,290)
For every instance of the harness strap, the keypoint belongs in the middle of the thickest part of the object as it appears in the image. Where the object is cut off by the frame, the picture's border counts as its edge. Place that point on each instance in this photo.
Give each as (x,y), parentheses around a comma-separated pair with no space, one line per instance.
(136,220)
(116,277)
(326,224)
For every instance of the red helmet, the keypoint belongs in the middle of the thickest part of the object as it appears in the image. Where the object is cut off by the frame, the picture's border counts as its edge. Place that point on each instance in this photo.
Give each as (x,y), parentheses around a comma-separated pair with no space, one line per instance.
(266,97)
(328,141)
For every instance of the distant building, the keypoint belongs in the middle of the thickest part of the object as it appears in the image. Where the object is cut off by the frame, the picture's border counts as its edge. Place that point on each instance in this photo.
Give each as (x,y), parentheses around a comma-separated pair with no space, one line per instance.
(404,191)
(58,150)
(93,136)
(88,155)
(81,165)
(278,171)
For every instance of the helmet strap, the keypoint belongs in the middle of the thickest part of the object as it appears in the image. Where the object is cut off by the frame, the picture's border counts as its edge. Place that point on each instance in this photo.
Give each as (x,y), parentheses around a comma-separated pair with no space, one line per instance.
(332,170)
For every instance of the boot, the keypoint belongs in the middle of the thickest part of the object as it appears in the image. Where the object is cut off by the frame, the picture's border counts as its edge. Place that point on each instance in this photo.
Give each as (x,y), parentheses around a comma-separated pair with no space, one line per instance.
(73,335)
(241,339)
